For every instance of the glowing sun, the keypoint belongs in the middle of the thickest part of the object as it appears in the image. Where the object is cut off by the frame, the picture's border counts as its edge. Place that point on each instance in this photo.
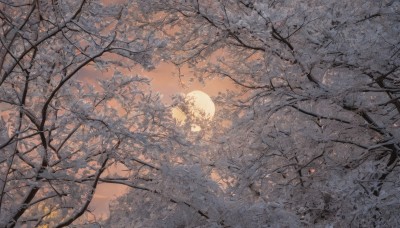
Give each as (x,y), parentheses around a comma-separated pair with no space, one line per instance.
(199,106)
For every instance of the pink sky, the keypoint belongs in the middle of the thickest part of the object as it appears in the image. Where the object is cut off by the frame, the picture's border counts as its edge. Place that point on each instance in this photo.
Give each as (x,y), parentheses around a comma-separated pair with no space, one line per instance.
(165,80)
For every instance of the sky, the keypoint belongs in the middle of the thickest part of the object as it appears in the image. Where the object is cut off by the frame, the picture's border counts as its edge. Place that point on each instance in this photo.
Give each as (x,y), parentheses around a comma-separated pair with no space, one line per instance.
(165,80)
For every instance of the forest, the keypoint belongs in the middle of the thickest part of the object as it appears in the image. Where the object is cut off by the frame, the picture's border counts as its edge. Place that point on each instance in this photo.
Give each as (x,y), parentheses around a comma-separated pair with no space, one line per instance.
(303,129)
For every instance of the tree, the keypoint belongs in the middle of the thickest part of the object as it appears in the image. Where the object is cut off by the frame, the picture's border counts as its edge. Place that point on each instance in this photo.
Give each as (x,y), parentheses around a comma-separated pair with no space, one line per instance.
(315,126)
(58,132)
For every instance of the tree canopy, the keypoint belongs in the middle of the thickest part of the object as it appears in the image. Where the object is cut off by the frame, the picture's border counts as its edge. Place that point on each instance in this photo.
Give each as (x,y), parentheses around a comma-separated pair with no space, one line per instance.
(310,137)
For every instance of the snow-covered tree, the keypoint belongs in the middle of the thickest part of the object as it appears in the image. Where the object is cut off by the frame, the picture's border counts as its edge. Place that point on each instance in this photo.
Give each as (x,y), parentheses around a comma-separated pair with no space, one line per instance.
(59,131)
(315,125)
(309,138)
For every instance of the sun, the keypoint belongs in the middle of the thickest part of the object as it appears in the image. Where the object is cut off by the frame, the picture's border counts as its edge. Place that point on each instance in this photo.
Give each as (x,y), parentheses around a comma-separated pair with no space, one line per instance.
(199,106)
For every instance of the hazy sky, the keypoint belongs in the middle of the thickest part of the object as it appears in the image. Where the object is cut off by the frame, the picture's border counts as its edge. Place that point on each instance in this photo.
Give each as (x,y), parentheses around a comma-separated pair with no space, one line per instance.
(165,80)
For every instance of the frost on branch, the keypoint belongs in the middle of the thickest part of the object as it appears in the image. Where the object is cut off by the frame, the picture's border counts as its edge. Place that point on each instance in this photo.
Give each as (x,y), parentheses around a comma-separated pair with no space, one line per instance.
(59,131)
(315,121)
(310,136)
